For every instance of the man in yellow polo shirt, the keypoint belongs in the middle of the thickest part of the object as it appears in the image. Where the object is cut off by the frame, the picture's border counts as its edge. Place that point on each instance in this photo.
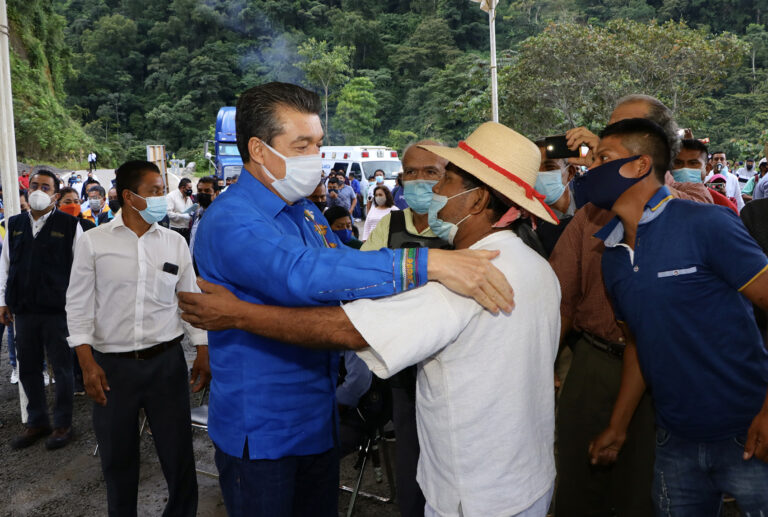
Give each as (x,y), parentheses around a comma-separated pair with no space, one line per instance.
(409,228)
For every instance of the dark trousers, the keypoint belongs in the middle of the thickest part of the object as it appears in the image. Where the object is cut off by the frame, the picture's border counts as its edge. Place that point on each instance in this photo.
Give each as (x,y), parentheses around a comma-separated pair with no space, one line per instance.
(294,486)
(584,410)
(159,385)
(410,499)
(36,335)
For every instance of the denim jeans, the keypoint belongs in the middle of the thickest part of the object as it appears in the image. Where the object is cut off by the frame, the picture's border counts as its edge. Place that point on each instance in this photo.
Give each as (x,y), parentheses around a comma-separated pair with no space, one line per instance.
(11,345)
(294,486)
(690,478)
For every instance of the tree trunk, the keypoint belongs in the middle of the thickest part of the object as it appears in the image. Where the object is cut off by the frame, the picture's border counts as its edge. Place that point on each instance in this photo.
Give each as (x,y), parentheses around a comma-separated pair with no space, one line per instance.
(327,134)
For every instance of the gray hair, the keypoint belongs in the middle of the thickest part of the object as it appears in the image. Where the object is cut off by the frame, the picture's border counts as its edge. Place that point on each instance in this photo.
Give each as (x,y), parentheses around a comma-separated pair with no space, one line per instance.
(659,113)
(421,142)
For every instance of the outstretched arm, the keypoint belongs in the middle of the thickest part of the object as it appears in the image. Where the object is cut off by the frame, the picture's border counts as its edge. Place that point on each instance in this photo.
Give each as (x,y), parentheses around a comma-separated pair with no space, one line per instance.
(312,327)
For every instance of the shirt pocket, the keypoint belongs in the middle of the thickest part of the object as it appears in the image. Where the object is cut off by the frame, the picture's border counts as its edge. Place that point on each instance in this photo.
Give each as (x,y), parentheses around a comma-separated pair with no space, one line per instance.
(165,288)
(671,273)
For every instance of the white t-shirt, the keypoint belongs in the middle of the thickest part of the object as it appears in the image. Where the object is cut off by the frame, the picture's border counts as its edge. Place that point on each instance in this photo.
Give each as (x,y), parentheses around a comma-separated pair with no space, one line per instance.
(485,397)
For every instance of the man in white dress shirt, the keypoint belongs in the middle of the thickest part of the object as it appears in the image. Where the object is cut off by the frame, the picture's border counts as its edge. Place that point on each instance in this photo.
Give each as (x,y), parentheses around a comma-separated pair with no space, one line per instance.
(179,204)
(34,273)
(125,326)
(485,396)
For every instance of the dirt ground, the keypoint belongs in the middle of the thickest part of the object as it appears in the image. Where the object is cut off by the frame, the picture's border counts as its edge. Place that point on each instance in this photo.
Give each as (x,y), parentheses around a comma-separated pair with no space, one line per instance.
(68,482)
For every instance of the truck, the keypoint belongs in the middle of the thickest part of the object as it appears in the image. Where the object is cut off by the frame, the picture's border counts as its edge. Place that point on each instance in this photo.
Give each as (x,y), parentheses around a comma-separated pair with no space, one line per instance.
(225,157)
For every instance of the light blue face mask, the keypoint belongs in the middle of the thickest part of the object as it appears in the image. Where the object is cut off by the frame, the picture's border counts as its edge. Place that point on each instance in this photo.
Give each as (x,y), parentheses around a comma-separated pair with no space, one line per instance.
(418,194)
(157,208)
(685,175)
(443,229)
(550,184)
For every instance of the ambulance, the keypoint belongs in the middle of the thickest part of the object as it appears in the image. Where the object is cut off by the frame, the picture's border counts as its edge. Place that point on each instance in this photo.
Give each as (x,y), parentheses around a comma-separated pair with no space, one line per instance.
(362,161)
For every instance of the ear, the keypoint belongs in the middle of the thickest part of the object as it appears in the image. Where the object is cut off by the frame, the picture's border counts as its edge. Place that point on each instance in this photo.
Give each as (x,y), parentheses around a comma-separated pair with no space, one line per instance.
(644,164)
(256,150)
(481,202)
(570,172)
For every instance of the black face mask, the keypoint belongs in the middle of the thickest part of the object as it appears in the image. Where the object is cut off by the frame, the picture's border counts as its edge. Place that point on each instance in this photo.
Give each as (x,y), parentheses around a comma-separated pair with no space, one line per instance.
(188,192)
(204,199)
(321,205)
(114,205)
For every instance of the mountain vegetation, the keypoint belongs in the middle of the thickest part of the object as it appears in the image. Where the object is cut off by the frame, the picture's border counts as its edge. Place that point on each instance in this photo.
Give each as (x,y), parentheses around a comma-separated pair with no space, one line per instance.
(115,75)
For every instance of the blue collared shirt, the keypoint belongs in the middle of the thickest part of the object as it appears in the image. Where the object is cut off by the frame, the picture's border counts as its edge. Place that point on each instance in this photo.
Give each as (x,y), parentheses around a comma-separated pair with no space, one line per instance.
(699,348)
(281,397)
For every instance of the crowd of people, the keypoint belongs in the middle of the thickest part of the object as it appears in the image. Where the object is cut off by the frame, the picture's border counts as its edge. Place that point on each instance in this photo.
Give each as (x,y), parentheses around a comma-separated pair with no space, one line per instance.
(518,316)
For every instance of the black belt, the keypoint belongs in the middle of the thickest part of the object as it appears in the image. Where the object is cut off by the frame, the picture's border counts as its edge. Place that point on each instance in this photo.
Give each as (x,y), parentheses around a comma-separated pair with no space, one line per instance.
(614,349)
(148,353)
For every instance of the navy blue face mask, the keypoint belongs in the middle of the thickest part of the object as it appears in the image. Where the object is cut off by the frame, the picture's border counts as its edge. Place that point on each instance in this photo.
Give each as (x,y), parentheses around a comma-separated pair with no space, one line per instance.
(344,235)
(604,184)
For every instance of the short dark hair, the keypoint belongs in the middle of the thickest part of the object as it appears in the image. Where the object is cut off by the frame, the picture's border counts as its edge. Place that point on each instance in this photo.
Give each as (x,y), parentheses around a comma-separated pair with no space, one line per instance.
(183,182)
(50,174)
(333,180)
(98,188)
(643,136)
(390,200)
(695,145)
(130,174)
(496,203)
(256,114)
(335,213)
(208,180)
(718,152)
(67,190)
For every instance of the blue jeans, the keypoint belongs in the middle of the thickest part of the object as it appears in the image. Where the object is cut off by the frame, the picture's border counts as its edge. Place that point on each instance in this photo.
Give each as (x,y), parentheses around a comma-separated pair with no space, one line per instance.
(11,345)
(690,478)
(291,486)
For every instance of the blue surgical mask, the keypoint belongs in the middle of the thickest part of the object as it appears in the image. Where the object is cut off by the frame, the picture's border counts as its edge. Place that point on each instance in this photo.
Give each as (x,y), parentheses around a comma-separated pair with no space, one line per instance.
(157,209)
(550,184)
(444,229)
(344,235)
(605,184)
(685,175)
(379,180)
(418,194)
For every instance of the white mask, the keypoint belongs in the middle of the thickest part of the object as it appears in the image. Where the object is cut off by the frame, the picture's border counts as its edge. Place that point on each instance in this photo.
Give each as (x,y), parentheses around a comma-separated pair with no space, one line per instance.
(380,200)
(39,200)
(302,174)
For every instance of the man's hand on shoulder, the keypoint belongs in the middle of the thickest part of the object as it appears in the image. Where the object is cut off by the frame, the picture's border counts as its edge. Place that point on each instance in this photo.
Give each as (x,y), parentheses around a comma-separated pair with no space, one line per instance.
(471,273)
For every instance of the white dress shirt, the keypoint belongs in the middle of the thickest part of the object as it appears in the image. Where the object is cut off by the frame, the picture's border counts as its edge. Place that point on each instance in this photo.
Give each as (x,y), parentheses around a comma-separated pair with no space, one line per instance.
(177,204)
(119,298)
(5,259)
(484,398)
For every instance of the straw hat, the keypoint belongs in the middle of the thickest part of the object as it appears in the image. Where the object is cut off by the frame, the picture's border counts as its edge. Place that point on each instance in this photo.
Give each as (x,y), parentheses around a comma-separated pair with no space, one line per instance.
(504,160)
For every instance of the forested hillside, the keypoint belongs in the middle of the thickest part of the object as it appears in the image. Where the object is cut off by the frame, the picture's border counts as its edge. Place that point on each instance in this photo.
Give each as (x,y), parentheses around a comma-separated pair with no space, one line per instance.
(132,72)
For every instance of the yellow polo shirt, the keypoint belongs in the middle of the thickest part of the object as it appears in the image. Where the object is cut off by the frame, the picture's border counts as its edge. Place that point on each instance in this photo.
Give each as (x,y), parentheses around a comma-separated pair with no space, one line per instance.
(380,235)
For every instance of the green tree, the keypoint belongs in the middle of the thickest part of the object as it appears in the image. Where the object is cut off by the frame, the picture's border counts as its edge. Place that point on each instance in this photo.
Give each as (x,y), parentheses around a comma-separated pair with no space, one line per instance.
(325,67)
(356,111)
(544,91)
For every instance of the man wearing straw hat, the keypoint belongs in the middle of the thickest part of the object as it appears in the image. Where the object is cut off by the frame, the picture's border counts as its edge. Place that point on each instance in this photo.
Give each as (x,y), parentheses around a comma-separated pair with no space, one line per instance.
(485,397)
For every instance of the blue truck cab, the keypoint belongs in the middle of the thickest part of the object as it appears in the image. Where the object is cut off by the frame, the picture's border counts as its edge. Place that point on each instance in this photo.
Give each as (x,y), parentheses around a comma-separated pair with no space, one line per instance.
(225,157)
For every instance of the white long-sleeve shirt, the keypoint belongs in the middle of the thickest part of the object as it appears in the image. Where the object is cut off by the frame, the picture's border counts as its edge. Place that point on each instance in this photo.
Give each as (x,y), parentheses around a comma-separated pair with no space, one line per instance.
(120,299)
(5,259)
(177,204)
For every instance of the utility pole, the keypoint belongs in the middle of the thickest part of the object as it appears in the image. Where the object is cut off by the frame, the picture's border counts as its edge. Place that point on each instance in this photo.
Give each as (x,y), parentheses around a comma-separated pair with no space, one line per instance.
(8,171)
